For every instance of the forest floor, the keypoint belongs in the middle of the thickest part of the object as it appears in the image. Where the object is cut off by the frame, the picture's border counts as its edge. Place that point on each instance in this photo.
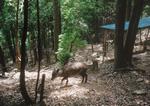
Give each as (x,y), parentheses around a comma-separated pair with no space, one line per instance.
(103,88)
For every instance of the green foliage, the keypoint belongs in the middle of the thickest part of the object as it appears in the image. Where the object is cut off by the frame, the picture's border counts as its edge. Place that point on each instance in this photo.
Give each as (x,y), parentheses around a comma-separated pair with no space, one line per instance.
(147,10)
(8,15)
(78,18)
(7,21)
(2,41)
(66,40)
(73,26)
(45,14)
(1,38)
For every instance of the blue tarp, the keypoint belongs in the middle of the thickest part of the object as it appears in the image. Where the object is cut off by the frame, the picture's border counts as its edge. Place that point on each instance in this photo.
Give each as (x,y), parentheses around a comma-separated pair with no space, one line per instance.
(143,23)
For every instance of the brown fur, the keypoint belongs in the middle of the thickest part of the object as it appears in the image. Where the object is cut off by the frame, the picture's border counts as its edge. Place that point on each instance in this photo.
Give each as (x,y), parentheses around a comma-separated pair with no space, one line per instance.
(70,70)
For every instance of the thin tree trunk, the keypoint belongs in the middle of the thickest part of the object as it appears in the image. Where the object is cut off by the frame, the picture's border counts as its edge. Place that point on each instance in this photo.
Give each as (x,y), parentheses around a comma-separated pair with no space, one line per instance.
(132,31)
(128,9)
(47,48)
(30,48)
(35,56)
(2,62)
(52,36)
(23,54)
(39,47)
(10,45)
(17,40)
(119,37)
(13,44)
(34,48)
(57,23)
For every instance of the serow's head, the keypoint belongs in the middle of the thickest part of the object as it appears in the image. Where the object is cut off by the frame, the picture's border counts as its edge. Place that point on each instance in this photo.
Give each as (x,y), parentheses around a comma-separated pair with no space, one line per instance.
(54,74)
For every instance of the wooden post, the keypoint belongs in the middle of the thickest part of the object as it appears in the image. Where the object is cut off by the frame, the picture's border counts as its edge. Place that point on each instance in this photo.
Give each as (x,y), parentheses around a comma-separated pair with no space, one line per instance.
(42,87)
(140,37)
(40,92)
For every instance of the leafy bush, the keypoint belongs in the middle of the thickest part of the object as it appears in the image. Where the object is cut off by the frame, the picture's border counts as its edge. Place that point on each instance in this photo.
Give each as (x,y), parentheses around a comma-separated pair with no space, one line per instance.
(67,46)
(73,27)
(146,10)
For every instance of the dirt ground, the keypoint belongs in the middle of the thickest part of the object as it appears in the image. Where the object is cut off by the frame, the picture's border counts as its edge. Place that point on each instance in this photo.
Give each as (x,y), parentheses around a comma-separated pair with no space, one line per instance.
(103,88)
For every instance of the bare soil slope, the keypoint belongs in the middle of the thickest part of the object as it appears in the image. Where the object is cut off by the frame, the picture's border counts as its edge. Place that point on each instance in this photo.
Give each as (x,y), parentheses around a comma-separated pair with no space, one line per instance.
(104,87)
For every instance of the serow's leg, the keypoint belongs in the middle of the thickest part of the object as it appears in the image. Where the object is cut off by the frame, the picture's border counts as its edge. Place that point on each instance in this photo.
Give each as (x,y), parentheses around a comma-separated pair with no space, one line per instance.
(63,79)
(85,78)
(66,81)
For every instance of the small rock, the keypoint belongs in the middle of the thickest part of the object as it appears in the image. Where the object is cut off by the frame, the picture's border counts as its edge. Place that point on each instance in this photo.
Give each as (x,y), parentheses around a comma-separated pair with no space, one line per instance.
(140,92)
(110,75)
(135,73)
(146,81)
(139,101)
(94,54)
(140,80)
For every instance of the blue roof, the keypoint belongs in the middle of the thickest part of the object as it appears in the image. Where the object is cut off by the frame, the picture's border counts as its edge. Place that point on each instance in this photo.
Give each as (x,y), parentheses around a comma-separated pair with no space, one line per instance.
(143,23)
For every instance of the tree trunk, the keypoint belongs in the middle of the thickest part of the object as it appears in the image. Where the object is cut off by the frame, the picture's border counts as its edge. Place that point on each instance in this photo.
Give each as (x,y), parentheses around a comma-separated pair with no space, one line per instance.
(119,37)
(23,54)
(47,48)
(132,31)
(42,87)
(30,48)
(39,47)
(2,62)
(128,9)
(52,35)
(57,23)
(34,47)
(17,40)
(13,44)
(35,56)
(8,38)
